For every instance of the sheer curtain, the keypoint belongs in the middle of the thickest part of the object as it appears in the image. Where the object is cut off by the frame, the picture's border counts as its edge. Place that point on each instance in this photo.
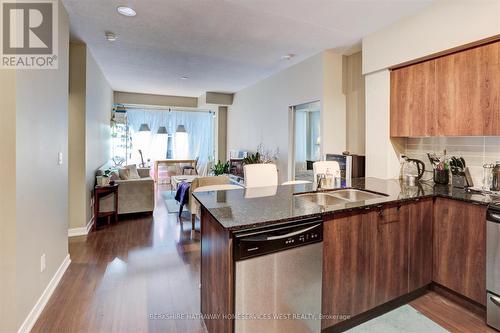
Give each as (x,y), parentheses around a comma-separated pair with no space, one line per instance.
(198,142)
(300,140)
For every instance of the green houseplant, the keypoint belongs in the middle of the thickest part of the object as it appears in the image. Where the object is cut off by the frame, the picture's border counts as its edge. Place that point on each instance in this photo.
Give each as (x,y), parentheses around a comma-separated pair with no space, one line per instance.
(220,168)
(252,159)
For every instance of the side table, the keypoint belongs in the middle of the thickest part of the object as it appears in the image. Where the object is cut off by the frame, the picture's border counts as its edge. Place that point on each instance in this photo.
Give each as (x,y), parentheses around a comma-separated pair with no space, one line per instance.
(99,193)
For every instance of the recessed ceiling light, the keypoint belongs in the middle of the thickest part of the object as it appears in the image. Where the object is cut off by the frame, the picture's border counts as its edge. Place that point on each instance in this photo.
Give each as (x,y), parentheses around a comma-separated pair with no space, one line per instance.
(111,36)
(184,77)
(287,56)
(126,11)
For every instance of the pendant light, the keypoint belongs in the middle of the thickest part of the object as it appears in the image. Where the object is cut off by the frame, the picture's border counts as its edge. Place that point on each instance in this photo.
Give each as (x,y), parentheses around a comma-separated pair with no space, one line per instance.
(162,130)
(180,129)
(144,128)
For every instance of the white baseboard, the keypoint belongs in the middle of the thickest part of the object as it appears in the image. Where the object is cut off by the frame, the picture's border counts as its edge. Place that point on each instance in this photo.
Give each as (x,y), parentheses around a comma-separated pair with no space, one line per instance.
(81,231)
(32,317)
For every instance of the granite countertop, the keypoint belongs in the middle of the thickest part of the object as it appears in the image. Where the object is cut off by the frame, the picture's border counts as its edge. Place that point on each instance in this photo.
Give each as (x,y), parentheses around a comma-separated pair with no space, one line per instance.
(250,208)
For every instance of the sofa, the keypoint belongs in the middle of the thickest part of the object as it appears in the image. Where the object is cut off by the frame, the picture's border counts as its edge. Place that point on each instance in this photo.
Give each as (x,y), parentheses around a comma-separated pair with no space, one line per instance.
(134,195)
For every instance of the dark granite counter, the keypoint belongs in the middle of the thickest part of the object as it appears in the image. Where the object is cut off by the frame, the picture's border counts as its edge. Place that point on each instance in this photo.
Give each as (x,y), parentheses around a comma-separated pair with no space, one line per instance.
(257,207)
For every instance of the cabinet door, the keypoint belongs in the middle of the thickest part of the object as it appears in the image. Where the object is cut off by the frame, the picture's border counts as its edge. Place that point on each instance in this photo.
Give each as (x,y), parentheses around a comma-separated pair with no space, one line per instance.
(468,92)
(413,99)
(347,270)
(390,268)
(459,248)
(420,244)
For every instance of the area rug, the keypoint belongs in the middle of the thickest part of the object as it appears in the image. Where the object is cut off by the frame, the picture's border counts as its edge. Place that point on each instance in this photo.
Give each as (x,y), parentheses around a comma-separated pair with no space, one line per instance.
(404,319)
(170,203)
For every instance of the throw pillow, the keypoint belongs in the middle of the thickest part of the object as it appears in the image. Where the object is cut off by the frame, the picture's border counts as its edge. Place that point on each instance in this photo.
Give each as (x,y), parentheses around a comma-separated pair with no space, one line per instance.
(124,174)
(132,172)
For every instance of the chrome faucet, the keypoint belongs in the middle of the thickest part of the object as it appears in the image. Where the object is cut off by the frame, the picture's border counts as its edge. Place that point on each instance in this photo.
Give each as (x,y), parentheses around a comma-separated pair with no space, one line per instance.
(320,179)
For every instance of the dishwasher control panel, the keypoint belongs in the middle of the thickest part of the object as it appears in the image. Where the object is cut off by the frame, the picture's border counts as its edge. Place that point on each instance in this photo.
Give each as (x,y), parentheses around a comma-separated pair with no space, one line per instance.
(252,244)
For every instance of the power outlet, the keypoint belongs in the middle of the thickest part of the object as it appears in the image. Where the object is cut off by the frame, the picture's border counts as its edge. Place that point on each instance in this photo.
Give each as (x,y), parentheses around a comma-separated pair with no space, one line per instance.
(42,263)
(60,158)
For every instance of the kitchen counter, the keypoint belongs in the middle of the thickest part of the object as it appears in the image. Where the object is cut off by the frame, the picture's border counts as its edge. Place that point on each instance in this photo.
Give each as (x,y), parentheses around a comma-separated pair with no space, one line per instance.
(237,210)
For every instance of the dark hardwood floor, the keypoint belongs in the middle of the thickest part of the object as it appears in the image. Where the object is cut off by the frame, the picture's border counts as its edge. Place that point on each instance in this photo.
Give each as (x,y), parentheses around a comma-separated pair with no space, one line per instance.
(122,274)
(146,265)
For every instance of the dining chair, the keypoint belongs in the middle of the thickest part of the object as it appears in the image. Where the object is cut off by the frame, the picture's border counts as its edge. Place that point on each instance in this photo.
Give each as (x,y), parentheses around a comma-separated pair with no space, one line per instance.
(191,168)
(259,175)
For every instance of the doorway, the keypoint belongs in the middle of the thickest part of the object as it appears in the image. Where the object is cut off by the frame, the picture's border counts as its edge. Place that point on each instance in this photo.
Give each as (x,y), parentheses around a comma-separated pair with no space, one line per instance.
(306,139)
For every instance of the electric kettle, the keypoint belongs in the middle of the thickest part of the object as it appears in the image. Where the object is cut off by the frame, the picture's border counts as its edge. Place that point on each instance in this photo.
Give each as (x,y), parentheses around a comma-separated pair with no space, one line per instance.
(413,169)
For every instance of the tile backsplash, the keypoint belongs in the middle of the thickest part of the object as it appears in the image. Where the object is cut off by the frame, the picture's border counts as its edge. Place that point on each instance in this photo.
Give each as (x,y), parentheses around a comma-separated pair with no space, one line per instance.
(476,151)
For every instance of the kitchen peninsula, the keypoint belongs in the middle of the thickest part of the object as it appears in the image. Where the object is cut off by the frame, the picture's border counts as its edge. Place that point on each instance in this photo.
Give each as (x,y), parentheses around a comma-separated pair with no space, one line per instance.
(377,253)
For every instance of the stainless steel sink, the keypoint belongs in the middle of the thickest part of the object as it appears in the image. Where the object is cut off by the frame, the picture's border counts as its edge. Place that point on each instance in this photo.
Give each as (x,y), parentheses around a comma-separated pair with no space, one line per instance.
(337,197)
(322,199)
(355,195)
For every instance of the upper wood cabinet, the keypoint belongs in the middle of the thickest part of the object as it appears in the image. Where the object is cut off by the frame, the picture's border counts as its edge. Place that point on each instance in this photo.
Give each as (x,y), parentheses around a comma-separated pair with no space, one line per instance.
(454,95)
(413,100)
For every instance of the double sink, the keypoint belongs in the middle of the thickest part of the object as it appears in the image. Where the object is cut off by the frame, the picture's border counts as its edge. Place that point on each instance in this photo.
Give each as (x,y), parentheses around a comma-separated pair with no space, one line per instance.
(337,197)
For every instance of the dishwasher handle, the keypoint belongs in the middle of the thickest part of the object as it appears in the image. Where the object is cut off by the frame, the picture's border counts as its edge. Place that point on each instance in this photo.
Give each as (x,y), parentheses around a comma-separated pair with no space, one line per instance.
(294,233)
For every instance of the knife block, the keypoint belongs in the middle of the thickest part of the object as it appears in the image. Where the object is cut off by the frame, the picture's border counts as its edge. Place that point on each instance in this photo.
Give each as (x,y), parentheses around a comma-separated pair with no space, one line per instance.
(458,180)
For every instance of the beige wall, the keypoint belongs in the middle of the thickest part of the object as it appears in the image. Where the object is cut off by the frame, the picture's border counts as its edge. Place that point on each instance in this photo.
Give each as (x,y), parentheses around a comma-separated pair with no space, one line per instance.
(333,105)
(260,113)
(41,184)
(8,320)
(222,133)
(91,101)
(99,102)
(76,133)
(354,89)
(121,97)
(442,25)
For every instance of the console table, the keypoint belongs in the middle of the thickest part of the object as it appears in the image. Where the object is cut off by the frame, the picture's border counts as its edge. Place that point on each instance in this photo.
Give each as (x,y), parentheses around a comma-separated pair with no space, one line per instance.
(99,193)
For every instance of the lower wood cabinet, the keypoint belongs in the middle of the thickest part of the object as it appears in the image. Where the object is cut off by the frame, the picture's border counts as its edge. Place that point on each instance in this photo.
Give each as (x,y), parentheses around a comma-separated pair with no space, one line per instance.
(420,243)
(390,258)
(459,248)
(348,284)
(365,261)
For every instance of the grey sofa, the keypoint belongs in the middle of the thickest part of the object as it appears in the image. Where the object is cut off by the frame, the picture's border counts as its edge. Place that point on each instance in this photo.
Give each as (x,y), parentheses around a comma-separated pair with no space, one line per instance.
(134,195)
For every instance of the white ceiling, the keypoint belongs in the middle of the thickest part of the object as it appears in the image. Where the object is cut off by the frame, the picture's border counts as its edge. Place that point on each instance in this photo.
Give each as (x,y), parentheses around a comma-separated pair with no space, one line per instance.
(221,45)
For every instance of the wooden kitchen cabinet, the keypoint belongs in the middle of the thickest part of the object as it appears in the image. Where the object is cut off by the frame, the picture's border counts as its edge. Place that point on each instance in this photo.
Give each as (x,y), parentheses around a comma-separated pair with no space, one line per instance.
(390,259)
(468,92)
(453,95)
(420,244)
(459,248)
(365,261)
(348,284)
(413,101)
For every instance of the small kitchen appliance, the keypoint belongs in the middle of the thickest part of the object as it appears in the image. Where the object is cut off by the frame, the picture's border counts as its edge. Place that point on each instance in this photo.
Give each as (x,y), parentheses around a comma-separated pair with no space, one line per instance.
(351,166)
(413,170)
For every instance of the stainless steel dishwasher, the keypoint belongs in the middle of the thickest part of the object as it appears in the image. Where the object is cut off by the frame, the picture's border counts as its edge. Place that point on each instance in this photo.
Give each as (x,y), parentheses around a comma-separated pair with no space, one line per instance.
(278,277)
(493,266)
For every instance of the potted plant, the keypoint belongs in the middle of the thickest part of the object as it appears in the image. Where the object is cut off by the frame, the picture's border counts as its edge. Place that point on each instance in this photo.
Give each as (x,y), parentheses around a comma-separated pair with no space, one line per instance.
(220,168)
(252,159)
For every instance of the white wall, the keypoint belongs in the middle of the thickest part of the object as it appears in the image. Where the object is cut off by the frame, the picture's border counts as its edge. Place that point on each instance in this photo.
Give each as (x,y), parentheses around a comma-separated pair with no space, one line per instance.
(99,102)
(442,25)
(41,184)
(259,113)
